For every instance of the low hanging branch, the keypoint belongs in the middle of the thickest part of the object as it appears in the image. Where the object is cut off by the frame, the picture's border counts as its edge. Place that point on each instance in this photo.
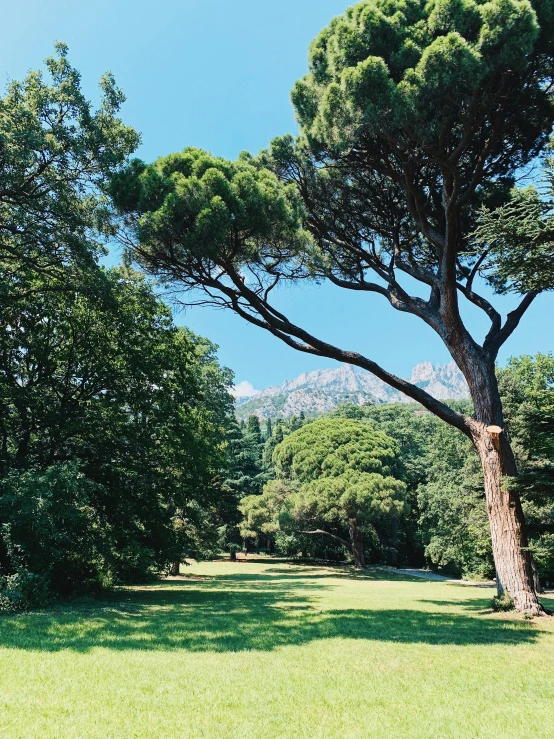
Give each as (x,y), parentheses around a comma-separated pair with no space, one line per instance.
(326,533)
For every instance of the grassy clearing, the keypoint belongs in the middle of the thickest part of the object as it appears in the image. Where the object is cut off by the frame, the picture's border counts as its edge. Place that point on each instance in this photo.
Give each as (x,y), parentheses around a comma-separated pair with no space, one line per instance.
(272,650)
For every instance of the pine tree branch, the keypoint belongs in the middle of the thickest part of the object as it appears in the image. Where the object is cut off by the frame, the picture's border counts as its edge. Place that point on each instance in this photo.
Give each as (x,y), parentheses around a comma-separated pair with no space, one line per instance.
(497,336)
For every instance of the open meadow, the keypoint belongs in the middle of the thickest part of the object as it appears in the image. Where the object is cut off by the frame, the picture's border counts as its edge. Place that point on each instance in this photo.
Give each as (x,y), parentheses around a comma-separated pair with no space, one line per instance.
(267,649)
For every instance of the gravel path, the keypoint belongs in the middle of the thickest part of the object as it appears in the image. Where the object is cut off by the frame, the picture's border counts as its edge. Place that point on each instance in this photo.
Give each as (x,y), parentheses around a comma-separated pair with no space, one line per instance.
(428,575)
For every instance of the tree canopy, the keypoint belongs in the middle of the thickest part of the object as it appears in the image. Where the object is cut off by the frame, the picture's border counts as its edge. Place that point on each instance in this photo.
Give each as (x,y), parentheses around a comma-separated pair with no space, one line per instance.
(334,475)
(113,421)
(113,433)
(56,153)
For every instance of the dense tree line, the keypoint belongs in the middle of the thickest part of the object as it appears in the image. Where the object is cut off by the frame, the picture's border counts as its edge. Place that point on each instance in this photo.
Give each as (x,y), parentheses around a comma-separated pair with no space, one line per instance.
(112,431)
(115,424)
(442,520)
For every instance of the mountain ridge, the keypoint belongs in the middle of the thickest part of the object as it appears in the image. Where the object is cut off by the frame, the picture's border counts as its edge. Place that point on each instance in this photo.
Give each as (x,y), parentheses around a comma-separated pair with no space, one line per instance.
(321,391)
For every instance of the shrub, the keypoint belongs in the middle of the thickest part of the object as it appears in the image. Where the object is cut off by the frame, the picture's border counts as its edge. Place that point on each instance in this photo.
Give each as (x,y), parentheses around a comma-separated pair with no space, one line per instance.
(502,602)
(24,590)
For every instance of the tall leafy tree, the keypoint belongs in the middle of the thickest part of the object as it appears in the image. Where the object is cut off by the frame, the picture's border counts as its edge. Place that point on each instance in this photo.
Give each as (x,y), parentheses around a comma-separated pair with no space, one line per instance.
(56,153)
(112,435)
(260,513)
(253,430)
(413,118)
(414,431)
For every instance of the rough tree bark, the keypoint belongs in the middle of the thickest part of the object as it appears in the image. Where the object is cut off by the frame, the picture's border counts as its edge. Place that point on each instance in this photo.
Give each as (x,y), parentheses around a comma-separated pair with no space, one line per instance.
(510,546)
(514,568)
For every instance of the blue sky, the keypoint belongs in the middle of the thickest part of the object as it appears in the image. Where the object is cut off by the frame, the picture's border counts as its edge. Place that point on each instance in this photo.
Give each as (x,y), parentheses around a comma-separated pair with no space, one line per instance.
(217,75)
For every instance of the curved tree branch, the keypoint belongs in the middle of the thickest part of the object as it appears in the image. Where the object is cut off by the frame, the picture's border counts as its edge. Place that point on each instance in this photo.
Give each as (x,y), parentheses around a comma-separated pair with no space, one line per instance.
(326,533)
(497,336)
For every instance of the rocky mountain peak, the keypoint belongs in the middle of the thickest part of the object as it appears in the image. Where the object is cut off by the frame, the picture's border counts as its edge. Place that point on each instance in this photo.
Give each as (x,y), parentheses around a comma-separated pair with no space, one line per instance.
(321,391)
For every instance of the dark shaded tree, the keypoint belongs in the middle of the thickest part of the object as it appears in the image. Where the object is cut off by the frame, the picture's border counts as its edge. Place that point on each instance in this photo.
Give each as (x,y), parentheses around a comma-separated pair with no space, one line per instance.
(112,435)
(527,388)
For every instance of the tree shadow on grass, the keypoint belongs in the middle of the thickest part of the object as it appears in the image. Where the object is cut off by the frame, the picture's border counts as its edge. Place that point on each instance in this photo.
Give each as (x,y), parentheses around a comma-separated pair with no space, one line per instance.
(207,617)
(471,604)
(483,604)
(341,573)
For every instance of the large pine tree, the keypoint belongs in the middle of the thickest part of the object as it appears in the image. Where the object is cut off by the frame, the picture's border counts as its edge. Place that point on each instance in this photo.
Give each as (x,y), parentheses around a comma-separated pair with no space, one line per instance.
(414,116)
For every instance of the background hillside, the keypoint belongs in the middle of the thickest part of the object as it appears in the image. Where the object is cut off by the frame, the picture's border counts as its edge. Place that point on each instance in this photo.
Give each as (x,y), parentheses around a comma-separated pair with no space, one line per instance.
(322,391)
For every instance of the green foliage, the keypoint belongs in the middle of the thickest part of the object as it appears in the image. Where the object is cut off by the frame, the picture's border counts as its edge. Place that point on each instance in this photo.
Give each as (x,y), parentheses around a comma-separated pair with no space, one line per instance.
(446,521)
(56,153)
(453,516)
(363,496)
(220,206)
(330,447)
(113,424)
(253,429)
(520,237)
(52,528)
(397,70)
(527,387)
(542,542)
(502,603)
(245,475)
(344,469)
(445,517)
(412,429)
(332,472)
(261,512)
(24,590)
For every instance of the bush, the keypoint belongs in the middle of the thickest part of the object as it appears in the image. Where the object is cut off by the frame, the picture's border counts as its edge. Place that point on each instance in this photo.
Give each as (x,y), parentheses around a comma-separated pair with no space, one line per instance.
(51,542)
(502,602)
(24,590)
(286,544)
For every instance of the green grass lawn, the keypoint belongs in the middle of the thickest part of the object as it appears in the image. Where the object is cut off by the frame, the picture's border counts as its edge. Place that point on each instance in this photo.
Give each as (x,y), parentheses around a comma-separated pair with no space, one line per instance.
(273,650)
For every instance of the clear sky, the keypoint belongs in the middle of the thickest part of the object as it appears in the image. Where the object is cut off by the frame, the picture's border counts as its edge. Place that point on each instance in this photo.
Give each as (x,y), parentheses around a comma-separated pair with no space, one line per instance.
(217,74)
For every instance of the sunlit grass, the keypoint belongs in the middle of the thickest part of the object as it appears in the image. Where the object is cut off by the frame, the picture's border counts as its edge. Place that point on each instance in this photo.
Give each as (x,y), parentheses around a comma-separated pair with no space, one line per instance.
(274,650)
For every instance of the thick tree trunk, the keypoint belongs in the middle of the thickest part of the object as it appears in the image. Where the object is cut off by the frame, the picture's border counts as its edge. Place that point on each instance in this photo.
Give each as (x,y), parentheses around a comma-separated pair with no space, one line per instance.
(536,579)
(233,555)
(512,559)
(357,541)
(175,567)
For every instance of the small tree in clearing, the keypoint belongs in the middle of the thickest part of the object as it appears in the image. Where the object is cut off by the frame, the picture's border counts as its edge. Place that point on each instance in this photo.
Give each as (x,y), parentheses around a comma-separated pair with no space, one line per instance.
(341,473)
